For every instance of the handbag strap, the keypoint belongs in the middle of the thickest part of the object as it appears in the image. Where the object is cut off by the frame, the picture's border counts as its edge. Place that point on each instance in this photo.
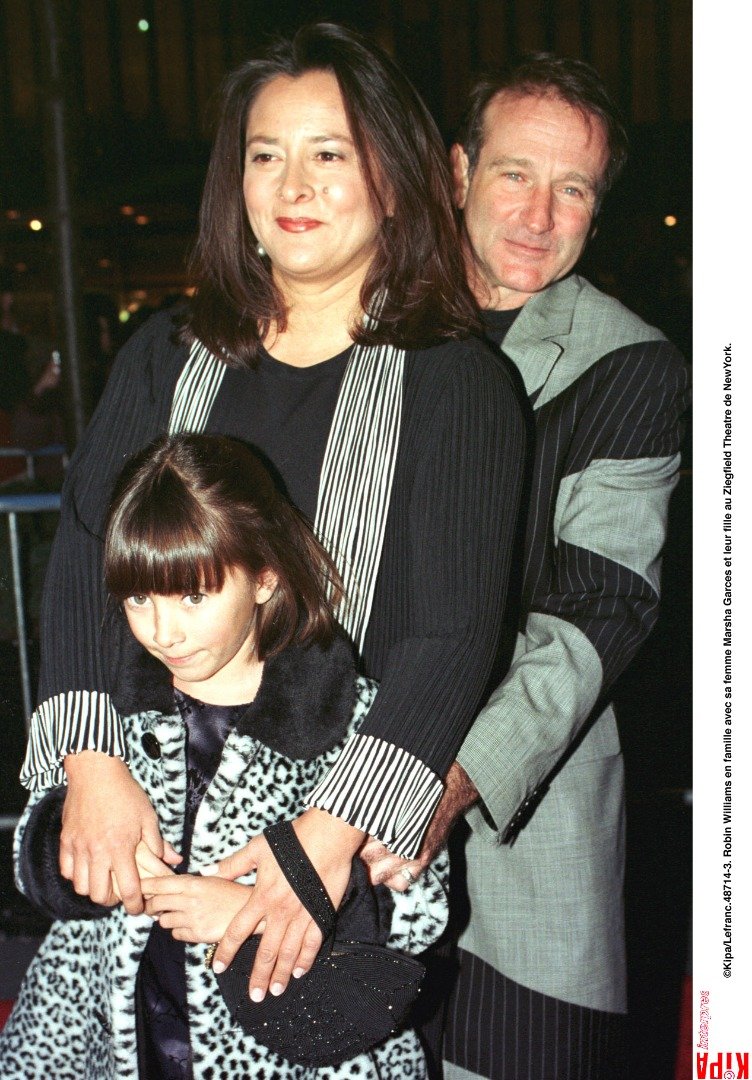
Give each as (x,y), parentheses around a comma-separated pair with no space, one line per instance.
(301,874)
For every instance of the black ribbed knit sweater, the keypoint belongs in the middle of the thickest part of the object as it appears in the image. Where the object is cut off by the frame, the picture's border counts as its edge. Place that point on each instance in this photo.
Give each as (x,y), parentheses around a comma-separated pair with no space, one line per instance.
(441,586)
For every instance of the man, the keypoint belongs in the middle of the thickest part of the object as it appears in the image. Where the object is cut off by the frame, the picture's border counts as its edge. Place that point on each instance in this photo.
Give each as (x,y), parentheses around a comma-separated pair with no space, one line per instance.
(541,991)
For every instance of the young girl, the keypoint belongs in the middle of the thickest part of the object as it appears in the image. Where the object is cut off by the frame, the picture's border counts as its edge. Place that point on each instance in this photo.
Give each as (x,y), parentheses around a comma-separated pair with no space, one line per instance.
(248,694)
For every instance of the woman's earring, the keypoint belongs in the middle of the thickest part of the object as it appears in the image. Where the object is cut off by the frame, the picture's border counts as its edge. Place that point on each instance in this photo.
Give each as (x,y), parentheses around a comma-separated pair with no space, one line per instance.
(325,191)
(260,250)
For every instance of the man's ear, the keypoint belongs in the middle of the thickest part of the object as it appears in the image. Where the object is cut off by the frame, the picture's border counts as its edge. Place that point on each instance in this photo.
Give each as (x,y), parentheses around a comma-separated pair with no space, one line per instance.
(460,166)
(266,585)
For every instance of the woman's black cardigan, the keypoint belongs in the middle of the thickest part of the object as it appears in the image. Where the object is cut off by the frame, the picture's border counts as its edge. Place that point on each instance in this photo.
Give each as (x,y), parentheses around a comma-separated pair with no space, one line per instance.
(441,587)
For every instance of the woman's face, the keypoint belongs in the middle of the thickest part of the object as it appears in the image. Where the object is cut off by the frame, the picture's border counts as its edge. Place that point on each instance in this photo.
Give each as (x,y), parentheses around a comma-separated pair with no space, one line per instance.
(305,192)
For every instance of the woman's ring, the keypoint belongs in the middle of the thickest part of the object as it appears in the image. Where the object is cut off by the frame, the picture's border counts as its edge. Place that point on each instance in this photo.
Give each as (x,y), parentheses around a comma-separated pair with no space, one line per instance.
(408,875)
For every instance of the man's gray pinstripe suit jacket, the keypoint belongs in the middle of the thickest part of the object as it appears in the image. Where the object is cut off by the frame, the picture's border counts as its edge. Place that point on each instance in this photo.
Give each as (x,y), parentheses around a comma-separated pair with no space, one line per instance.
(607,393)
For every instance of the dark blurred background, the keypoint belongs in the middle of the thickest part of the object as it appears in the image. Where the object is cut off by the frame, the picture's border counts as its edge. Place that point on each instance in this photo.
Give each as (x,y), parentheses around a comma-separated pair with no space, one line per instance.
(137,86)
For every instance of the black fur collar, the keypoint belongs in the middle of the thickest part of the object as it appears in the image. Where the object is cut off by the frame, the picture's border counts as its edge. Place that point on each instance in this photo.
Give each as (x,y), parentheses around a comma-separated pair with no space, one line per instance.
(302,708)
(305,700)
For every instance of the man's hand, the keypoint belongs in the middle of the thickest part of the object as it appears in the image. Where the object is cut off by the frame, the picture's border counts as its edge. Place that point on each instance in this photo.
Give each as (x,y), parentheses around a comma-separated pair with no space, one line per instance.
(399,874)
(105,815)
(291,939)
(384,868)
(197,909)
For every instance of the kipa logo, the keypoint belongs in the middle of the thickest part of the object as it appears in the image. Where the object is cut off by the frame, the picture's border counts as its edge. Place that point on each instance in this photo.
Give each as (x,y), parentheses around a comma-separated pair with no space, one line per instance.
(723,1067)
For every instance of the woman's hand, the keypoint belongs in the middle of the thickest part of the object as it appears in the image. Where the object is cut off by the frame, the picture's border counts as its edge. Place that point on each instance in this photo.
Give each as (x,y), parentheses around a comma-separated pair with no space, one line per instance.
(196,909)
(290,939)
(105,815)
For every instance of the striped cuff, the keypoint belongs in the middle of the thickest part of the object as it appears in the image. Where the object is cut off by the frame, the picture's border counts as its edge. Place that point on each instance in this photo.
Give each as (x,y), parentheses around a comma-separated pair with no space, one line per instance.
(67,724)
(382,790)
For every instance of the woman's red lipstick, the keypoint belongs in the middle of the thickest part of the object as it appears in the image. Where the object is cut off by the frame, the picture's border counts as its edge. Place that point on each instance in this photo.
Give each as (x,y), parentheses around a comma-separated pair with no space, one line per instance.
(298,224)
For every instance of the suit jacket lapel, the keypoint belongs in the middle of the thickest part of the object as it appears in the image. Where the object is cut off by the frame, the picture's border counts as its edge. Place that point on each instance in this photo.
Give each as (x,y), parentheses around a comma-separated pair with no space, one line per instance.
(538,337)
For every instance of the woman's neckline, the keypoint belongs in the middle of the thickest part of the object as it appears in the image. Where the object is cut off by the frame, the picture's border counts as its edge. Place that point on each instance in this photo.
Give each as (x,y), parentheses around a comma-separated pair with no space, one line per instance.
(283,365)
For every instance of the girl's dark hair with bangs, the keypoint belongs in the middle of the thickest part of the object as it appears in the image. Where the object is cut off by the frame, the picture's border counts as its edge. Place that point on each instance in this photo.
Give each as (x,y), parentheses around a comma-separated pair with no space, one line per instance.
(415,288)
(188,508)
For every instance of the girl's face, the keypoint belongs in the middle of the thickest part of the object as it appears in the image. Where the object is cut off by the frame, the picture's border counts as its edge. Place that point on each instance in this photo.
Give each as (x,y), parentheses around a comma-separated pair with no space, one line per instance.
(206,640)
(305,193)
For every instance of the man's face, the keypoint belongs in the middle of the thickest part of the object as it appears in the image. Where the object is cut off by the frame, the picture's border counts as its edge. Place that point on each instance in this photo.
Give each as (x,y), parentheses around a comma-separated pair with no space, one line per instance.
(530,201)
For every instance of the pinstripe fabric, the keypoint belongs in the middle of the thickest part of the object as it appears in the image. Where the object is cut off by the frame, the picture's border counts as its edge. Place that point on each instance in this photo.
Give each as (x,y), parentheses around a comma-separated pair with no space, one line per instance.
(369,768)
(143,383)
(443,527)
(69,723)
(505,1031)
(196,390)
(442,555)
(357,474)
(376,786)
(358,469)
(590,590)
(355,489)
(625,407)
(542,956)
(87,719)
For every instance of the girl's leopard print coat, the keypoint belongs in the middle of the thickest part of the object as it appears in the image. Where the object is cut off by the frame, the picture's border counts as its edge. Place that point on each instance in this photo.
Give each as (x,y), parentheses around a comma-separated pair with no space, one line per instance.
(75,1017)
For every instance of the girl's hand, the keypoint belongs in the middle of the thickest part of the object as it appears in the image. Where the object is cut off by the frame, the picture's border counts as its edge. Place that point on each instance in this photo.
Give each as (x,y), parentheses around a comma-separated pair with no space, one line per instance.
(105,815)
(291,939)
(194,908)
(147,865)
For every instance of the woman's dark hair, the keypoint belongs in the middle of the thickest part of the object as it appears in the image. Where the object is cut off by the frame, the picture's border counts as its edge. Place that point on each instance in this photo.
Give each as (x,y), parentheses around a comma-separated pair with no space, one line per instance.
(416,284)
(189,507)
(542,75)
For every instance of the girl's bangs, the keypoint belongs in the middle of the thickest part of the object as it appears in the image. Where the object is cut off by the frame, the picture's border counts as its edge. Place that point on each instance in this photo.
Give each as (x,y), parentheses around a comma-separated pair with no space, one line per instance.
(162,561)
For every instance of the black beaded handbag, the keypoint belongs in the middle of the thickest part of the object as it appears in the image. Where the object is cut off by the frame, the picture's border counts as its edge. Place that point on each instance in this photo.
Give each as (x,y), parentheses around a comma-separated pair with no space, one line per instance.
(357,993)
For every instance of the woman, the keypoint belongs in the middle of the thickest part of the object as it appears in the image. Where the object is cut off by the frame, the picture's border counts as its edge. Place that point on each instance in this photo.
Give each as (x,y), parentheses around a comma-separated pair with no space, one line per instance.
(330,328)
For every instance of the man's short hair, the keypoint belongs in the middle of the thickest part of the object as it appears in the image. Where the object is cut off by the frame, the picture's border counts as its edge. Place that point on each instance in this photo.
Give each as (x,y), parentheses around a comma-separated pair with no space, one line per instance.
(540,75)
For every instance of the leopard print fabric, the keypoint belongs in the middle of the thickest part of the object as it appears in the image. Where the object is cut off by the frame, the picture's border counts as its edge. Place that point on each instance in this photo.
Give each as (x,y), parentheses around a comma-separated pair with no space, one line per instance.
(75,1015)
